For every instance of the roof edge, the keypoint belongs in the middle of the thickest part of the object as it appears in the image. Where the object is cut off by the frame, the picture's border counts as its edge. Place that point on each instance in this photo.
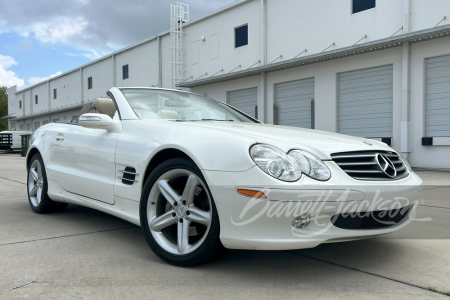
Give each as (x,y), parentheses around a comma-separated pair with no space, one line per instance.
(381,44)
(55,111)
(8,117)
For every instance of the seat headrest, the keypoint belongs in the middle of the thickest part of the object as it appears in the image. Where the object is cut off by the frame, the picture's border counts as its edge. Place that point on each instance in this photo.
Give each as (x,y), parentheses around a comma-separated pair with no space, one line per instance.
(104,106)
(168,114)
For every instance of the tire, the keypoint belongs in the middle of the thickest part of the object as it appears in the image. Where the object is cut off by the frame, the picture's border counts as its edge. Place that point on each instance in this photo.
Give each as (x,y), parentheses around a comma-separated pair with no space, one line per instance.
(37,187)
(178,216)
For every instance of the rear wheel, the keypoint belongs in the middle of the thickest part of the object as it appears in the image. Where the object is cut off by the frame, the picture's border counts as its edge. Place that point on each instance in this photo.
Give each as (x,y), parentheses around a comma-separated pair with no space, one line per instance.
(37,187)
(178,215)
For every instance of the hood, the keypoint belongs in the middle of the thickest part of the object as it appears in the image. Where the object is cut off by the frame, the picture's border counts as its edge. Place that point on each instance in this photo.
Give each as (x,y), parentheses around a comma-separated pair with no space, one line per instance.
(320,143)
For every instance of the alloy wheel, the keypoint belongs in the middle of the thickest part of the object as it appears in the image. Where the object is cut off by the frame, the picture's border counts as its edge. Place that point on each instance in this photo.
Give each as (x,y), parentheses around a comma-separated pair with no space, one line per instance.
(35,183)
(179,211)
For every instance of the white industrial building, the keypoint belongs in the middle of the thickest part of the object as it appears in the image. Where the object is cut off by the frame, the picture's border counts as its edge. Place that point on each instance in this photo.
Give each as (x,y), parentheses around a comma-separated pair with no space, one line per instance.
(373,68)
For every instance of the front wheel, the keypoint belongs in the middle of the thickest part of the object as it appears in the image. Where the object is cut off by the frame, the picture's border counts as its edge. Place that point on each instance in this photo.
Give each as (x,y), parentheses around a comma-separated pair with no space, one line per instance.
(178,215)
(37,187)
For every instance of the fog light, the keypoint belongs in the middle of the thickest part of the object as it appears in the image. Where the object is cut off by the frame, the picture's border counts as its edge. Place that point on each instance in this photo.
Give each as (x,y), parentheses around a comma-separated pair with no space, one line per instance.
(301,221)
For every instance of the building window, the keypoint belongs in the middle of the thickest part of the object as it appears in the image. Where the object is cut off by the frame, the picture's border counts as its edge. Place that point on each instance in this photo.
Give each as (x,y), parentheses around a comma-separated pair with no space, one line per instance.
(21,127)
(361,5)
(36,125)
(13,126)
(55,120)
(20,104)
(29,127)
(125,72)
(35,99)
(241,36)
(44,122)
(89,83)
(55,94)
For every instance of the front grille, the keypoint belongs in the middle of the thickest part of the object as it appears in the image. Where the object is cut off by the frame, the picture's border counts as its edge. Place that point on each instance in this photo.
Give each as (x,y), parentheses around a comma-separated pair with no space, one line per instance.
(371,165)
(371,220)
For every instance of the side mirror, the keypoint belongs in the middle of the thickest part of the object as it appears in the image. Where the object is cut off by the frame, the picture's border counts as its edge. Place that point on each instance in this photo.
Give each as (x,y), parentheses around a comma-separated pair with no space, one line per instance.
(96,121)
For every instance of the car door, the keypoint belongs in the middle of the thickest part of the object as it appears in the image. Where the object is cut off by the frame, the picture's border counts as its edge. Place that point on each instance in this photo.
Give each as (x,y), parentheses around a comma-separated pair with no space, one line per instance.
(84,161)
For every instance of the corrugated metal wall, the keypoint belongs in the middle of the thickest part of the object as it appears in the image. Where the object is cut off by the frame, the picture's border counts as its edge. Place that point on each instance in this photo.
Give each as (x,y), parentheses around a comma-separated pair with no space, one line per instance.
(437,99)
(293,103)
(244,100)
(365,102)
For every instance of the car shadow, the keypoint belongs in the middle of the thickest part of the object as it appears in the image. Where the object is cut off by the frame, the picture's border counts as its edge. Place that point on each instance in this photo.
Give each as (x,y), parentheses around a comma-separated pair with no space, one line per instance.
(367,249)
(288,266)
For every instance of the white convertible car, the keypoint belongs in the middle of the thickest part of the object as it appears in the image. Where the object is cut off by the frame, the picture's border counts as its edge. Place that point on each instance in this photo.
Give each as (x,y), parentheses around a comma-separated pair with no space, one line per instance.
(200,177)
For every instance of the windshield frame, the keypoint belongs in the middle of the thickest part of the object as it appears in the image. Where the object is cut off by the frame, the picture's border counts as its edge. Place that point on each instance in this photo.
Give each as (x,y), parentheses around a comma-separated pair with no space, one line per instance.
(179,91)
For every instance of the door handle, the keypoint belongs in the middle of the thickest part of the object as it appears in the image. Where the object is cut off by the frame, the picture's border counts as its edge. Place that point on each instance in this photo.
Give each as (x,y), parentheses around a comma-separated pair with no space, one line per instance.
(59,137)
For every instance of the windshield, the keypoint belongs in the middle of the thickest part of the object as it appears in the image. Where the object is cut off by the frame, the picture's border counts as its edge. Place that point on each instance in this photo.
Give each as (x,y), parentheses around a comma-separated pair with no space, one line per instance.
(181,106)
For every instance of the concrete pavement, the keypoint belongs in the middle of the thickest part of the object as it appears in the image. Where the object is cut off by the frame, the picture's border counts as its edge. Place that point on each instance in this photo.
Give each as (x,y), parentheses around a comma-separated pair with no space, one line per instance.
(90,255)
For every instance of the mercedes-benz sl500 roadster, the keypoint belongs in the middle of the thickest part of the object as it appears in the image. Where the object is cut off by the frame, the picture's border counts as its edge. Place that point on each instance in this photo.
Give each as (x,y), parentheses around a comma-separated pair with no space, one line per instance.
(199,176)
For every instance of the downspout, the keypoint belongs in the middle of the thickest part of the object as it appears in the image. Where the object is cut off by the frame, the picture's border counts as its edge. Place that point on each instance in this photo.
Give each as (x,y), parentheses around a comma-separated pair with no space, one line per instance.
(32,110)
(113,57)
(263,32)
(49,104)
(406,16)
(158,44)
(263,86)
(31,106)
(81,86)
(405,133)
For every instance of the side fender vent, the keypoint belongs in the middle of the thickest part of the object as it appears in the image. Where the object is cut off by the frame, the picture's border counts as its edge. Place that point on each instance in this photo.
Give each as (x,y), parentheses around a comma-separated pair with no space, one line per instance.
(129,176)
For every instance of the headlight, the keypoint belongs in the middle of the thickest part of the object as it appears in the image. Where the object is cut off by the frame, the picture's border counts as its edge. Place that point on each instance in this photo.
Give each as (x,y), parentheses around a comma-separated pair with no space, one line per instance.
(275,162)
(288,167)
(311,165)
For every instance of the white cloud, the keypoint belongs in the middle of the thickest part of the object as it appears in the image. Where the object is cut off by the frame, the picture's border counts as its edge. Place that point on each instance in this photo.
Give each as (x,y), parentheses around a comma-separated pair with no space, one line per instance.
(60,29)
(2,25)
(7,77)
(102,25)
(34,80)
(92,55)
(71,54)
(7,61)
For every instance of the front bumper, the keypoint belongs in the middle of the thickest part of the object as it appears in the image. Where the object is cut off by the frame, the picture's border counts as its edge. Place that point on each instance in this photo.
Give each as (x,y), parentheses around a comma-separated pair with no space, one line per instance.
(266,224)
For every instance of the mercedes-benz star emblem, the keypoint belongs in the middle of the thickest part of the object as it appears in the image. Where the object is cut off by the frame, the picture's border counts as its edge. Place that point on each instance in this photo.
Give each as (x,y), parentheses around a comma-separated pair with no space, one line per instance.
(386,165)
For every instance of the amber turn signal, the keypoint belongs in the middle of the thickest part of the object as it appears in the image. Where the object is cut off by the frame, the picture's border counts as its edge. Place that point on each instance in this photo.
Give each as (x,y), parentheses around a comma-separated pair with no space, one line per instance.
(252,193)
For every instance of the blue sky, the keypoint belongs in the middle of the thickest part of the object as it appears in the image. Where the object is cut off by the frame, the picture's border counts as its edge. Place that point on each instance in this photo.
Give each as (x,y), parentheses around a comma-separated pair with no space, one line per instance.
(39,60)
(39,39)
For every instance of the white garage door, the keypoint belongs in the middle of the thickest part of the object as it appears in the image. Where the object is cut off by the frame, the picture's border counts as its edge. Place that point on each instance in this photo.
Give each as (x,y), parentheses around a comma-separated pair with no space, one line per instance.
(437,103)
(293,105)
(365,101)
(244,100)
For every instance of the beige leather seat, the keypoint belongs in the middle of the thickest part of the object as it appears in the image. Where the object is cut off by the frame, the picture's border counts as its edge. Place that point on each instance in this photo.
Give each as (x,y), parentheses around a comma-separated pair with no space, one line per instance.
(101,105)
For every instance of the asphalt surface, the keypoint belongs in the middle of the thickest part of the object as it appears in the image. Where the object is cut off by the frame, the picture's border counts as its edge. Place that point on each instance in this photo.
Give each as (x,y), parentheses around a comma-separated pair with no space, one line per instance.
(85,254)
